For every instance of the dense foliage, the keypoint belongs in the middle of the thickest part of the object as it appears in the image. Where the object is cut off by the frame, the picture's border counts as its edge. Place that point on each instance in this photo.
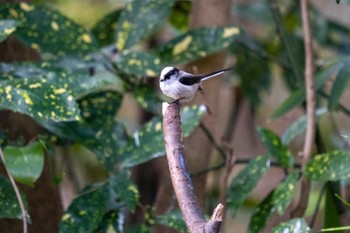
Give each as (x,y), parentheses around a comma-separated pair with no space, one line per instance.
(77,87)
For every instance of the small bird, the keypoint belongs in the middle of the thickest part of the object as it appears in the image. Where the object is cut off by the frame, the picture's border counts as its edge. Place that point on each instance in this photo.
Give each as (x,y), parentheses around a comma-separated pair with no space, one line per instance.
(182,86)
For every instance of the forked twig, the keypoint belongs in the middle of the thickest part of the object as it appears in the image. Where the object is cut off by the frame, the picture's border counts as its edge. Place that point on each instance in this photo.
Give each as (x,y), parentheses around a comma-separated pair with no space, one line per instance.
(180,177)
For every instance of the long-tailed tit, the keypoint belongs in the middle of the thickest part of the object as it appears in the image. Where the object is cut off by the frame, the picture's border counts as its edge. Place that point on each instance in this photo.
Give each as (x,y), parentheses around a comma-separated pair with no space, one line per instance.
(182,86)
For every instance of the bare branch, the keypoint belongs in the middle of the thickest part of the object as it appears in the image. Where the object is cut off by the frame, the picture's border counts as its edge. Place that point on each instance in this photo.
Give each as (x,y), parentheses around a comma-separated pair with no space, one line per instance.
(310,107)
(180,177)
(18,195)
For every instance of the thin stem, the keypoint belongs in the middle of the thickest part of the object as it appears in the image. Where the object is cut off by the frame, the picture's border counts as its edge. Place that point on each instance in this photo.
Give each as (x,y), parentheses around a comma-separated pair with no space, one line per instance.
(213,141)
(310,84)
(310,108)
(18,195)
(318,204)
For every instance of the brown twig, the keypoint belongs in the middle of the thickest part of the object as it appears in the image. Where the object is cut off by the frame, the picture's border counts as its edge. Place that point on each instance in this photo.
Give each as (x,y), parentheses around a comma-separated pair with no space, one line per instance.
(310,108)
(18,195)
(180,177)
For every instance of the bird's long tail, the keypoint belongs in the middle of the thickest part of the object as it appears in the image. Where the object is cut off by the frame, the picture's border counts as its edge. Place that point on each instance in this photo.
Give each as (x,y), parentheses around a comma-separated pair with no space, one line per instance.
(216,73)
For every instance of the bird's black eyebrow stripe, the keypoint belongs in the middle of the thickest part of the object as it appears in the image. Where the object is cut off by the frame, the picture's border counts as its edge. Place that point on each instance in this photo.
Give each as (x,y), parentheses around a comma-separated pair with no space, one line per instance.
(172,72)
(190,80)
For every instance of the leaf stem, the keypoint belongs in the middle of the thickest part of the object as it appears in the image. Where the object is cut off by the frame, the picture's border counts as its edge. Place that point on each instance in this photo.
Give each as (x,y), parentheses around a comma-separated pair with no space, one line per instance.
(18,195)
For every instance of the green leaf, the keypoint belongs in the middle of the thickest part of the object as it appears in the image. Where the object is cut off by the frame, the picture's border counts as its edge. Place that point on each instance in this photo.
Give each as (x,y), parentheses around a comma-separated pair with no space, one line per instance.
(296,225)
(298,126)
(148,142)
(99,108)
(25,163)
(298,96)
(9,207)
(261,214)
(330,166)
(245,181)
(140,63)
(47,30)
(275,148)
(109,143)
(7,27)
(86,212)
(82,85)
(339,86)
(139,229)
(332,215)
(283,194)
(139,19)
(290,44)
(104,30)
(125,189)
(196,44)
(173,220)
(147,98)
(337,1)
(72,85)
(112,222)
(39,99)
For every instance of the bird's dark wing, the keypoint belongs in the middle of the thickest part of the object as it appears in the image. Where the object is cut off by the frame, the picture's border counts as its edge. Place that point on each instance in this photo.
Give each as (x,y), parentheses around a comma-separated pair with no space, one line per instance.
(190,80)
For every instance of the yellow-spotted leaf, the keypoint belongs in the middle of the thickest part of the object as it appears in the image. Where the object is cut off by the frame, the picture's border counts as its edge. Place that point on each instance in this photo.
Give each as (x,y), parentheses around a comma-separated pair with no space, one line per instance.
(40,78)
(245,181)
(104,30)
(112,222)
(46,30)
(9,207)
(86,211)
(148,142)
(7,27)
(96,127)
(196,44)
(140,63)
(276,148)
(330,166)
(38,98)
(139,19)
(125,190)
(147,98)
(261,215)
(296,225)
(108,141)
(25,163)
(284,193)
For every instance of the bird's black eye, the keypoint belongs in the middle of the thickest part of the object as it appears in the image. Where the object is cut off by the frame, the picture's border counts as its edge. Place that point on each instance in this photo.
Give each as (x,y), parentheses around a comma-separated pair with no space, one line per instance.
(174,71)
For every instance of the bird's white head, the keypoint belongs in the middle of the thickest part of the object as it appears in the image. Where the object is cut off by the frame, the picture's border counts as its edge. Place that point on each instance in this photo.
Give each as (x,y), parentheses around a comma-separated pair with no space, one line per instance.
(168,72)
